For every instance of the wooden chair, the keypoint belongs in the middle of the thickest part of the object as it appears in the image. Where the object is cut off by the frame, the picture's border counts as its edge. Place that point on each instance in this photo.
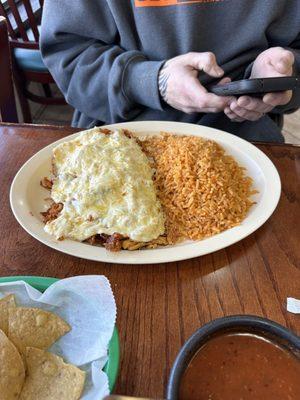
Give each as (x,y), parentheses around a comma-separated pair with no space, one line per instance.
(8,111)
(27,61)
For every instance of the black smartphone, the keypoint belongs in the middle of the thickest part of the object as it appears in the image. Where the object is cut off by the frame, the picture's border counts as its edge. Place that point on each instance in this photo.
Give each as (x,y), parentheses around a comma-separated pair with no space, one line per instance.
(256,87)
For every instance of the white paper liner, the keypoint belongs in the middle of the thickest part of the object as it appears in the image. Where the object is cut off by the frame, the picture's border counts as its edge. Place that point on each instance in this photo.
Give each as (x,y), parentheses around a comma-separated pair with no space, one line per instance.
(88,305)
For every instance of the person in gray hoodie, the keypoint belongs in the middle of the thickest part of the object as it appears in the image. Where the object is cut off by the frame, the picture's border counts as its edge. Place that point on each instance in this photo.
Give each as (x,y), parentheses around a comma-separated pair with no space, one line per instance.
(121,60)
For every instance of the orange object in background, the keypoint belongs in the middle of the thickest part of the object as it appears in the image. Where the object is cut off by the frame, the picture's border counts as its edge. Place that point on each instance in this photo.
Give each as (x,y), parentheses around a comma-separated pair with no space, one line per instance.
(162,3)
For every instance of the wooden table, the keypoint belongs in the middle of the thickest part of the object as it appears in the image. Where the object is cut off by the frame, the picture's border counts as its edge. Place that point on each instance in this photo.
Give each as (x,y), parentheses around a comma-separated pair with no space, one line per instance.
(160,306)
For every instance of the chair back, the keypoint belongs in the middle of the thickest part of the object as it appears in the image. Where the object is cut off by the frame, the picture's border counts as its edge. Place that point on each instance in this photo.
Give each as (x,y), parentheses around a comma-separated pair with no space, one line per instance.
(16,12)
(8,111)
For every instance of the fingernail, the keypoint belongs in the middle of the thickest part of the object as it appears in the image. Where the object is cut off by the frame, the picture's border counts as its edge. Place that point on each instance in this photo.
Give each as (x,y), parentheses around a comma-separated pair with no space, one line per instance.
(219,71)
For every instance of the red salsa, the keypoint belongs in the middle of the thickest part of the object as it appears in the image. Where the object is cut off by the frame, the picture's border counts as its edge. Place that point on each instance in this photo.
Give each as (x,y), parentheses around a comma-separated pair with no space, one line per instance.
(235,366)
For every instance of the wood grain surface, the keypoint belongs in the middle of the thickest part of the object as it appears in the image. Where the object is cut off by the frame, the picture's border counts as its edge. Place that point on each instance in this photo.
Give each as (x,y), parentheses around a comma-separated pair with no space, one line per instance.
(160,306)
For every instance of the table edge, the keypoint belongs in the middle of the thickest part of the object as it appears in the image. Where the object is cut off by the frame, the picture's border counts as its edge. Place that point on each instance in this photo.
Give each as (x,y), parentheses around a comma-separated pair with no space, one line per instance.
(68,127)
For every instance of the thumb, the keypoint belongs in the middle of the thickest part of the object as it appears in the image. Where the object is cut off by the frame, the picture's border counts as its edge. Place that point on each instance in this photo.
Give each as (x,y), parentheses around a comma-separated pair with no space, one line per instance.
(284,63)
(223,81)
(205,62)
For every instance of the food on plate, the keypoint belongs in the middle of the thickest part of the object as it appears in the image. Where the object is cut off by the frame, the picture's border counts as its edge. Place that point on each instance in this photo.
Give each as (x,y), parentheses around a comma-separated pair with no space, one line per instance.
(103,185)
(241,365)
(12,371)
(202,189)
(113,189)
(50,378)
(34,327)
(5,303)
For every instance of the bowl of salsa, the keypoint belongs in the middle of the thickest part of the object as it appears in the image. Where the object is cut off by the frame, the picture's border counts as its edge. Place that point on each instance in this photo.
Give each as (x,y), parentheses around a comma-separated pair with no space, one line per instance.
(237,357)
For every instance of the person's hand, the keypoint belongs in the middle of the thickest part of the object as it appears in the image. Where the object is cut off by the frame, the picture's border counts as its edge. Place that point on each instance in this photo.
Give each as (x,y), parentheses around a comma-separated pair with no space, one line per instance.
(274,62)
(179,85)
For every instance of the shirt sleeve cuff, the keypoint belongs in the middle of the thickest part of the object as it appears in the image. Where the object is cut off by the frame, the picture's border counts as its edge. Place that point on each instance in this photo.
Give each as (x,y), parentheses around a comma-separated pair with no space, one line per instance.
(140,82)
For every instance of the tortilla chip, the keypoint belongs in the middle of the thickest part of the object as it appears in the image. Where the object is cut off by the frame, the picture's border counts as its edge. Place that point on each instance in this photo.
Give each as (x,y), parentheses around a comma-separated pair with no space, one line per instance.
(49,378)
(5,303)
(12,371)
(33,327)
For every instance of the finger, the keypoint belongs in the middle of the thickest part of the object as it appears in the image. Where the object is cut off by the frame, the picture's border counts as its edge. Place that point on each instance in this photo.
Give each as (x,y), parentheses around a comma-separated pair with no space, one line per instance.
(205,62)
(210,110)
(225,80)
(278,99)
(200,98)
(231,115)
(212,100)
(253,104)
(243,113)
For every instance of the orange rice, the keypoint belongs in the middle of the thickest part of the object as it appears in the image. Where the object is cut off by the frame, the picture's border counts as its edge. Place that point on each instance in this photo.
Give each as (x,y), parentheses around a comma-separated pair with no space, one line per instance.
(203,191)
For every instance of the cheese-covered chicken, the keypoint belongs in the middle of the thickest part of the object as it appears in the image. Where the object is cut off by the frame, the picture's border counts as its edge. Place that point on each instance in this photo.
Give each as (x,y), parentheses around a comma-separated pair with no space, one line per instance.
(104,182)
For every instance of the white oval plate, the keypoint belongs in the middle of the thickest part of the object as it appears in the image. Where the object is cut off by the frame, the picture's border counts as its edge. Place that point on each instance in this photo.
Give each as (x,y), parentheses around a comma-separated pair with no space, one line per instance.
(27,198)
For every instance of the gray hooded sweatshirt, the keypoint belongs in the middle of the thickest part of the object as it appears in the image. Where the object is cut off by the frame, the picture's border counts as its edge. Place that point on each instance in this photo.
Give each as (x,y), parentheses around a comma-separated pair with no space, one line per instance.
(105,55)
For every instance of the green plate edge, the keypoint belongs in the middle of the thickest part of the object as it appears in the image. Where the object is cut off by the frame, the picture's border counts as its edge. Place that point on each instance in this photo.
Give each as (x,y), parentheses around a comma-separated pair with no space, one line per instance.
(111,368)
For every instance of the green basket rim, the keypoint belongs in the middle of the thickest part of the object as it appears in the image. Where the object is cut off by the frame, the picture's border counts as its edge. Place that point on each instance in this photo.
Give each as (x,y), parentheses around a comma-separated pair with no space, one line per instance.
(41,283)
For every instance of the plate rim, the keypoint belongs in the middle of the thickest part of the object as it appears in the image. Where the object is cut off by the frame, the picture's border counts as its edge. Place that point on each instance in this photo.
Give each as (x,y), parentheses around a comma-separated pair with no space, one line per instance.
(41,283)
(231,140)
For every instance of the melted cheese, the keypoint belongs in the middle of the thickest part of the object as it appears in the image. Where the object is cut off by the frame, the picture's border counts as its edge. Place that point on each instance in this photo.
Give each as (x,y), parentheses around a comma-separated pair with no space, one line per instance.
(105,184)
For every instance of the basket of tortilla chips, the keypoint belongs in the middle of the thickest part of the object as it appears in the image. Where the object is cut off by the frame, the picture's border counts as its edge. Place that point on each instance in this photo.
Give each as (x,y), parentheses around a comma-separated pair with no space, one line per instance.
(48,346)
